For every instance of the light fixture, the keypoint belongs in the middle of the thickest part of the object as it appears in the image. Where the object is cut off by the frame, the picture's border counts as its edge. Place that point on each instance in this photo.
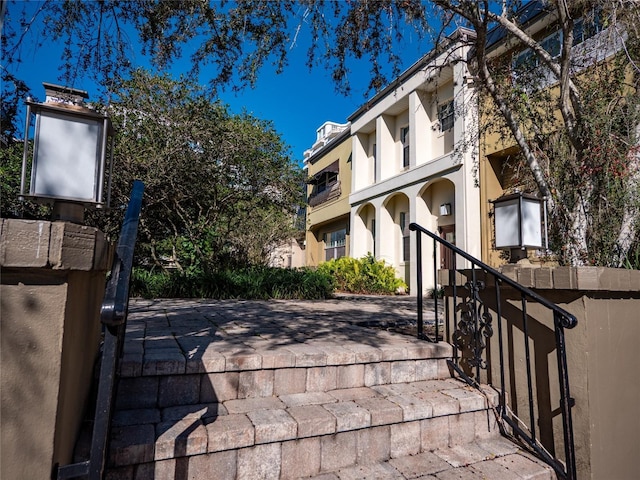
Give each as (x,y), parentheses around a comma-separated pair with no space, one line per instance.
(72,152)
(518,223)
(445,209)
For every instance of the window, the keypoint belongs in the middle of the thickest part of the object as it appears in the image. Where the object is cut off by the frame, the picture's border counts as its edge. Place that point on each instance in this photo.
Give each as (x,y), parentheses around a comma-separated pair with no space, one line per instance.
(404,138)
(375,163)
(335,244)
(326,185)
(326,180)
(373,235)
(445,115)
(404,229)
(586,27)
(553,43)
(528,60)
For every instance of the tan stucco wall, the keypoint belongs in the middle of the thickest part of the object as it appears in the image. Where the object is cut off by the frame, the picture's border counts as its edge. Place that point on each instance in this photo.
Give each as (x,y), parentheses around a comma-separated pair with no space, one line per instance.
(333,214)
(52,283)
(601,358)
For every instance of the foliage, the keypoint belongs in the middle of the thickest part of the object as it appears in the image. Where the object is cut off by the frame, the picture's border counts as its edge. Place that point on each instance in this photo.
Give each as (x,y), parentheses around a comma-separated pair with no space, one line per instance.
(10,171)
(364,275)
(249,283)
(573,115)
(578,146)
(219,188)
(230,41)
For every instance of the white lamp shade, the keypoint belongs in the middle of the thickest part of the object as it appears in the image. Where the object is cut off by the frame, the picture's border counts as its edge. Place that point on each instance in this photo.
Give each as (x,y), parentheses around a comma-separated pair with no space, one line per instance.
(66,157)
(518,222)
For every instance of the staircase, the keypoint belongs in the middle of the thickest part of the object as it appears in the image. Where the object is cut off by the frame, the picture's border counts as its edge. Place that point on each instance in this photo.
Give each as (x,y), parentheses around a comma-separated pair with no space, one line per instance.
(293,389)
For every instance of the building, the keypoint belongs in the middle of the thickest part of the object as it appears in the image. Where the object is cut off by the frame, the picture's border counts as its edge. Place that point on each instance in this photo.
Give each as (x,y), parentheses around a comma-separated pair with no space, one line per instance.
(499,159)
(413,160)
(328,166)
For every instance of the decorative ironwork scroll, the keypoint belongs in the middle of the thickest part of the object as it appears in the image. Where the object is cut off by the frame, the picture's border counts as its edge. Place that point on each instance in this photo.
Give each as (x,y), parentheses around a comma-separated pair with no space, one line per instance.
(474,327)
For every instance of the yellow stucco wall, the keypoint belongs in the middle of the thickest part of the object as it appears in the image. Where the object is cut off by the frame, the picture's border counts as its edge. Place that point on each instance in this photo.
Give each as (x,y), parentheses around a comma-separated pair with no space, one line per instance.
(333,214)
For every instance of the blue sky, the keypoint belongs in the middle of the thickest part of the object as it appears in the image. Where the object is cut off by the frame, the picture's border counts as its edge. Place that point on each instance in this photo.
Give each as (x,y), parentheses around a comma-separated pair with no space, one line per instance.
(297,101)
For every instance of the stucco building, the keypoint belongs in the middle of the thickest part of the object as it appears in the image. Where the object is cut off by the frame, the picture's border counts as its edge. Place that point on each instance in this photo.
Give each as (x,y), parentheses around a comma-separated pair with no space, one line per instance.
(413,160)
(328,166)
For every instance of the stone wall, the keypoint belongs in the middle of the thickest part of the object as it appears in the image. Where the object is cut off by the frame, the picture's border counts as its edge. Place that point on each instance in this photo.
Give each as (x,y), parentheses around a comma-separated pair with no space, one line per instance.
(52,285)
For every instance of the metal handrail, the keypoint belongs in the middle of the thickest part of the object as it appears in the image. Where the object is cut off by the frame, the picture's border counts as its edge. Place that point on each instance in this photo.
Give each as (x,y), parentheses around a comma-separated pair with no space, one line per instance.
(475,324)
(113,315)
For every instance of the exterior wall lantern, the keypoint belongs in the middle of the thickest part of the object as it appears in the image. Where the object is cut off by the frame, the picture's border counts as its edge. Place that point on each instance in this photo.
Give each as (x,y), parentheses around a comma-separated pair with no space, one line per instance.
(72,154)
(445,209)
(518,224)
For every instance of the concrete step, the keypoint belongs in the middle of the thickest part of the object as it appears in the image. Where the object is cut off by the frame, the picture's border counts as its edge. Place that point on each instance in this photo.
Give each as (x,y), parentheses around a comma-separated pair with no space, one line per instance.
(341,425)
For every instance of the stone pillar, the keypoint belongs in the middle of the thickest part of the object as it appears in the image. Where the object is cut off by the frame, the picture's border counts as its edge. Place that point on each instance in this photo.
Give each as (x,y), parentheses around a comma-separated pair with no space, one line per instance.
(51,289)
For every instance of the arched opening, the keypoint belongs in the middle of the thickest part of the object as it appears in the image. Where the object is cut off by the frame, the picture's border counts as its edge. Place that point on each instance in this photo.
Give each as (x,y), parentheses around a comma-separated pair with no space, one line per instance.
(395,244)
(366,224)
(435,211)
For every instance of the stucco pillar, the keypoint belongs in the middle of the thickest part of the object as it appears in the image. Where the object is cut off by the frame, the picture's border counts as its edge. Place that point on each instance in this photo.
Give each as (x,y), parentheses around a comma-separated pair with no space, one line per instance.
(387,161)
(420,124)
(52,285)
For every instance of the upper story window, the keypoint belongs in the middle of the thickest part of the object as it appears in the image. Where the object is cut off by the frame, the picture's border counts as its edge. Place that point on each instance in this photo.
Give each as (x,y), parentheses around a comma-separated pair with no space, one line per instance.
(374,155)
(528,60)
(445,116)
(325,184)
(404,139)
(586,27)
(326,180)
(583,29)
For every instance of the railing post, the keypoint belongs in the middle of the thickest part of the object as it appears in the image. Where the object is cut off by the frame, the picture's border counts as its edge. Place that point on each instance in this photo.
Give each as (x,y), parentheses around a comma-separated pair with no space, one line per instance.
(419,283)
(566,402)
(435,288)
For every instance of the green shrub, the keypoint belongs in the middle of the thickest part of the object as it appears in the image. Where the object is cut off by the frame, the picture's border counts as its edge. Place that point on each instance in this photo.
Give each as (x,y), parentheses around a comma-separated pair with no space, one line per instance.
(365,275)
(249,283)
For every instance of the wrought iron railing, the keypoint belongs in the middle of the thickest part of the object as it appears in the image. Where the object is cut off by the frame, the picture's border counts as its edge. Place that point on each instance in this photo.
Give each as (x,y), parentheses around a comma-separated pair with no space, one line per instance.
(113,316)
(473,296)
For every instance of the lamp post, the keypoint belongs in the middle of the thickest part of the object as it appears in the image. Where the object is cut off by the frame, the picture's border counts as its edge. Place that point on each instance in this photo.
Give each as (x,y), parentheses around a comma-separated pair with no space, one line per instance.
(518,224)
(71,155)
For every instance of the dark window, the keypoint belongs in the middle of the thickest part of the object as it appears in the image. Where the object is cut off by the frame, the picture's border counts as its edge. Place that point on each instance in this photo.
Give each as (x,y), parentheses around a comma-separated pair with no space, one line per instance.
(373,235)
(445,115)
(404,138)
(326,180)
(587,26)
(527,60)
(404,228)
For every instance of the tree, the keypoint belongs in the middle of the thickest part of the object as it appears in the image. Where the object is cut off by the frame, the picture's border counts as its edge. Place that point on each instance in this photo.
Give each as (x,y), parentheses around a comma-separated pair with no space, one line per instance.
(587,162)
(218,187)
(592,198)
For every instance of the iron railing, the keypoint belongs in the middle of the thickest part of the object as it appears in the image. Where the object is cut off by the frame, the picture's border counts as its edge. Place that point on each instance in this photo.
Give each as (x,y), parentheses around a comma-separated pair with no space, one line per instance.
(469,309)
(113,315)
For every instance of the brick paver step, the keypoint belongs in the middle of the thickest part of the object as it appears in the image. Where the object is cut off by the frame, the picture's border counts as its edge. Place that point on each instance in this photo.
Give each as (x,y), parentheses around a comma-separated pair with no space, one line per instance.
(494,459)
(357,455)
(414,416)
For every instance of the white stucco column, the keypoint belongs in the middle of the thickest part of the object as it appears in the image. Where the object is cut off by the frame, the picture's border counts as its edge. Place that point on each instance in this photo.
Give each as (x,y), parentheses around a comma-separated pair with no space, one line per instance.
(467,208)
(362,175)
(419,127)
(385,125)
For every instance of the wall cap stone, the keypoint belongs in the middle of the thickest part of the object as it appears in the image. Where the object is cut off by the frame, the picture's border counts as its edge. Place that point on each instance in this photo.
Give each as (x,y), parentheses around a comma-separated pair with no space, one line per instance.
(560,278)
(54,245)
